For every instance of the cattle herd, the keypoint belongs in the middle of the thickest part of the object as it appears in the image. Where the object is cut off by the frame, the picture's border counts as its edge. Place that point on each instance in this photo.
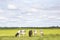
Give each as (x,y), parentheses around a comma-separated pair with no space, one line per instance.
(22,32)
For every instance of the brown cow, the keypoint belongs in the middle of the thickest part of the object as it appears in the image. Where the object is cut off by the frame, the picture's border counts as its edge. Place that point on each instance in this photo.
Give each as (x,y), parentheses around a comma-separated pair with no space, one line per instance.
(30,33)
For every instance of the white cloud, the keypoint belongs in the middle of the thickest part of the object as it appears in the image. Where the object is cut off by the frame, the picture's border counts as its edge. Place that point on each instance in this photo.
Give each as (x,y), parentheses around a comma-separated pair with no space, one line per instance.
(12,6)
(20,16)
(47,17)
(52,17)
(12,20)
(3,18)
(58,18)
(1,11)
(27,1)
(29,13)
(44,15)
(49,11)
(32,10)
(29,21)
(2,21)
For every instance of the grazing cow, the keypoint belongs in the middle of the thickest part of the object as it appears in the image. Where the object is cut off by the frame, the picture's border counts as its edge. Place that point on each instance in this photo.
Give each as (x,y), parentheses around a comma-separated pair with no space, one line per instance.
(20,32)
(41,32)
(35,32)
(30,33)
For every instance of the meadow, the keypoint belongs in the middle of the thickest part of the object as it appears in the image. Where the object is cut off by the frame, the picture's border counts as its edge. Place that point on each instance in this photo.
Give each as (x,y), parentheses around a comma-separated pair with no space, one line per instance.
(49,34)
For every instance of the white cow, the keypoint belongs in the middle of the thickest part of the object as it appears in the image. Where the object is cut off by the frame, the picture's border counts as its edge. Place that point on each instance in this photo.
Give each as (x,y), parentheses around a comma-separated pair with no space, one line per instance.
(35,32)
(41,32)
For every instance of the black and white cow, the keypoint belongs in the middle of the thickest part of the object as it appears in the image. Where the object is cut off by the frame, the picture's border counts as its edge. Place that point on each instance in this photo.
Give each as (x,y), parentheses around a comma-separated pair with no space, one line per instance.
(20,32)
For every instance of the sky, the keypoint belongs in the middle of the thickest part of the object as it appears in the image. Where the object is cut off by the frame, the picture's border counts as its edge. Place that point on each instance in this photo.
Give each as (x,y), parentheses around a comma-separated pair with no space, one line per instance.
(29,13)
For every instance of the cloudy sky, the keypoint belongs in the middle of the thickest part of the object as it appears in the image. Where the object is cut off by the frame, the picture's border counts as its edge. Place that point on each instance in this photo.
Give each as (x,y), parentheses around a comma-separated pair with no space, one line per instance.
(29,13)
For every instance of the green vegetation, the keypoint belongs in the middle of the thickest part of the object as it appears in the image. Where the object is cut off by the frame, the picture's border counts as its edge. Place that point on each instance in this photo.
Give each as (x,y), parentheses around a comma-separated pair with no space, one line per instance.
(49,34)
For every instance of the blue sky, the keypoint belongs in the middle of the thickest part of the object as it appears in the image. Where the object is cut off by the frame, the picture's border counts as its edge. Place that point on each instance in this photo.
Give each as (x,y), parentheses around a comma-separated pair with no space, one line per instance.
(29,13)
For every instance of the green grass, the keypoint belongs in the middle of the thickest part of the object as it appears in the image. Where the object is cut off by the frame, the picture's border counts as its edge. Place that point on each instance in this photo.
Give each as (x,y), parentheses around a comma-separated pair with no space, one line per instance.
(47,37)
(49,34)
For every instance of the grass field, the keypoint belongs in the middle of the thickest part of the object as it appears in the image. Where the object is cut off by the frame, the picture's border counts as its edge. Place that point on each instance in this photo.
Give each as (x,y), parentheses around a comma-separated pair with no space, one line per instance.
(49,34)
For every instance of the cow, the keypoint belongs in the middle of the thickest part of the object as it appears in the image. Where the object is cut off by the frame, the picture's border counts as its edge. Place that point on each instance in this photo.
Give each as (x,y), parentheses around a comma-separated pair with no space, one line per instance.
(20,32)
(41,32)
(35,32)
(30,33)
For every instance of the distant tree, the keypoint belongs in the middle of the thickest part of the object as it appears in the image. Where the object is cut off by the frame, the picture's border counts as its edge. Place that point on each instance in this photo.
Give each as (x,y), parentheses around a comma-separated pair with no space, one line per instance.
(52,26)
(57,26)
